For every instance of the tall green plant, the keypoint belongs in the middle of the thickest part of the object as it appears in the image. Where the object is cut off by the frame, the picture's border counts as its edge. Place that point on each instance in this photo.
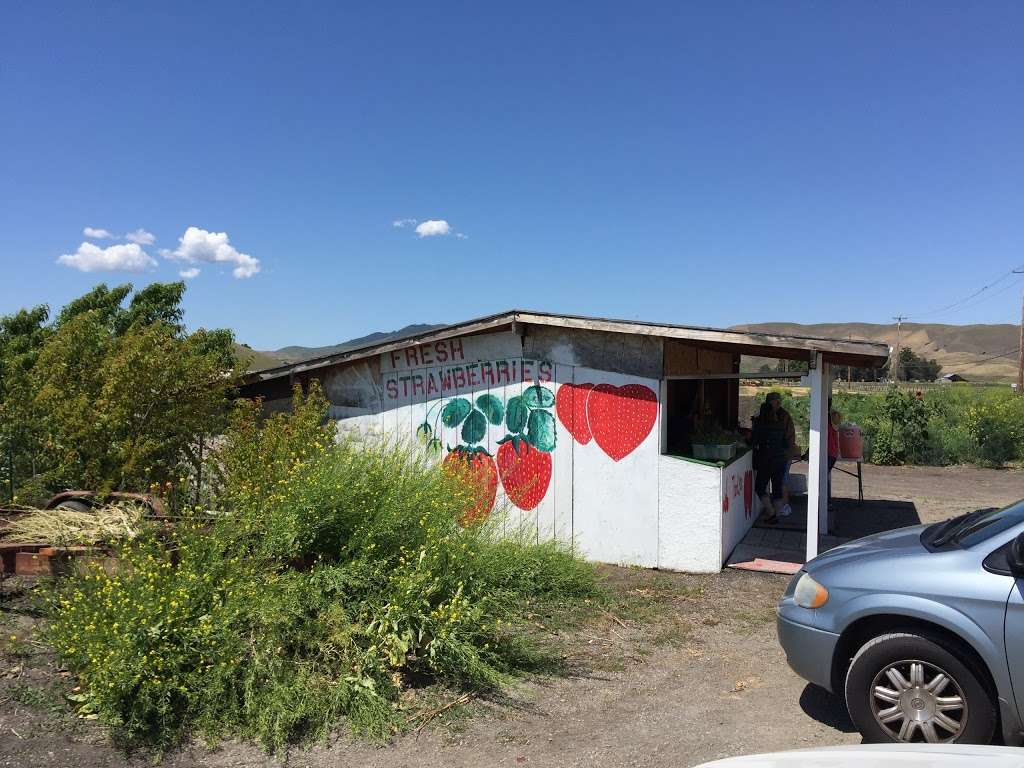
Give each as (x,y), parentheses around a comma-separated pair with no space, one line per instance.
(333,577)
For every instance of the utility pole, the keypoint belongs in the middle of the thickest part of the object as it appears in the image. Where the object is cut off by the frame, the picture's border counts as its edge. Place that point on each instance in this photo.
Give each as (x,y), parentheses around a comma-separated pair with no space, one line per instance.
(1020,361)
(896,357)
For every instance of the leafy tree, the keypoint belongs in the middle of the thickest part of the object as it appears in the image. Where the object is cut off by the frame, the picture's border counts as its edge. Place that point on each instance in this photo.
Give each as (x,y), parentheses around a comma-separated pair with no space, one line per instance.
(111,396)
(913,367)
(902,435)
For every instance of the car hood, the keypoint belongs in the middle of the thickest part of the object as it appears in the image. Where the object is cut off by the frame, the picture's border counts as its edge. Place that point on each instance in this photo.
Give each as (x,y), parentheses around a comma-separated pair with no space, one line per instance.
(884,544)
(883,756)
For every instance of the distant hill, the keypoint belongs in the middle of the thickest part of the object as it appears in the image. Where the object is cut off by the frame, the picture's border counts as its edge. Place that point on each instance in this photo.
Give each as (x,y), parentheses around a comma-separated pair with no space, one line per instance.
(255,360)
(976,351)
(295,354)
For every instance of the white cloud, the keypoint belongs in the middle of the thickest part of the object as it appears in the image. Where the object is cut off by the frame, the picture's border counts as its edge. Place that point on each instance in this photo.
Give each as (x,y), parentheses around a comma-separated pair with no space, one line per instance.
(198,245)
(461,236)
(189,273)
(403,223)
(432,227)
(97,234)
(141,236)
(116,258)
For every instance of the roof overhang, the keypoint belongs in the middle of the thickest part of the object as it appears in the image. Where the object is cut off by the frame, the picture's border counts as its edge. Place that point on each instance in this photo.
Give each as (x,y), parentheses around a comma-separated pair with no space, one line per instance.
(862,354)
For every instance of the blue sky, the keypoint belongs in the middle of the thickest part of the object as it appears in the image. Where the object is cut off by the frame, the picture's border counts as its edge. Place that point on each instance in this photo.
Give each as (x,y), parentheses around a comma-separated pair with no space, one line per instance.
(709,163)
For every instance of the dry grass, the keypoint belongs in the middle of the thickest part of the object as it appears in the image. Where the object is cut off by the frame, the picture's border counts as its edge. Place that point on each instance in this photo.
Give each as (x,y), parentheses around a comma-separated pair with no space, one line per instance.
(68,527)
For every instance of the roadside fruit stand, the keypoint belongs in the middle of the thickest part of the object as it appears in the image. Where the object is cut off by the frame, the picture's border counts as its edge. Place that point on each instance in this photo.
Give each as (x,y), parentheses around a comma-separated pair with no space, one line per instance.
(579,429)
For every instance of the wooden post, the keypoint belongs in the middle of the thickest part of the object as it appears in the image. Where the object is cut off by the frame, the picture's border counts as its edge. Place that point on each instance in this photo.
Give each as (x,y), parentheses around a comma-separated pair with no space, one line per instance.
(894,369)
(817,474)
(1020,362)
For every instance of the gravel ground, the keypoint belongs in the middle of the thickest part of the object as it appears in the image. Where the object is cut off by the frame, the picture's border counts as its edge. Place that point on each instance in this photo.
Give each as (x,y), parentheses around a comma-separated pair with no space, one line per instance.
(688,670)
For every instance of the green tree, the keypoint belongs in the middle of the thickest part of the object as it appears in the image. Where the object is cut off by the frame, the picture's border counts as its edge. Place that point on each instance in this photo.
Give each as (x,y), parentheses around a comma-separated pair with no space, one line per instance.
(913,367)
(110,396)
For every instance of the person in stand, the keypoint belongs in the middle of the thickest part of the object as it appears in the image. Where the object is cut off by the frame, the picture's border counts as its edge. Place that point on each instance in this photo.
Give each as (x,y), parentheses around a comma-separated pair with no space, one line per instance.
(834,418)
(770,451)
(774,399)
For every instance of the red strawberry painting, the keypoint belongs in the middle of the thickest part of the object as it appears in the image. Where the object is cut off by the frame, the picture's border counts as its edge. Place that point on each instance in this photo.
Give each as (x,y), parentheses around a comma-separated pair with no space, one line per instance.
(525,473)
(476,468)
(571,407)
(620,418)
(748,493)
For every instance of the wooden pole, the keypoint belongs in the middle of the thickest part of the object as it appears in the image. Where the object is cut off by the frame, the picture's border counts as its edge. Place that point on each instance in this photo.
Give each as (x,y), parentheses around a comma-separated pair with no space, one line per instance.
(895,367)
(1020,361)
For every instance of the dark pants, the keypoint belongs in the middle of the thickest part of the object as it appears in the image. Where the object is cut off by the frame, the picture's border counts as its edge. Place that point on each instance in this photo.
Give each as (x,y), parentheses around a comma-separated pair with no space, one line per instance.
(774,472)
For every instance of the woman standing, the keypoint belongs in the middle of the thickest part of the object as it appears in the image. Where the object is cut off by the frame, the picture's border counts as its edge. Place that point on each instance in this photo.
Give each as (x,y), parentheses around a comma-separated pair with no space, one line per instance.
(771,449)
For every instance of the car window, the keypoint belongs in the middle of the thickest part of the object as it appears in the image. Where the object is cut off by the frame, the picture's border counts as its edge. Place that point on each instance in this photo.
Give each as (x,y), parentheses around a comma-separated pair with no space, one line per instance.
(989,524)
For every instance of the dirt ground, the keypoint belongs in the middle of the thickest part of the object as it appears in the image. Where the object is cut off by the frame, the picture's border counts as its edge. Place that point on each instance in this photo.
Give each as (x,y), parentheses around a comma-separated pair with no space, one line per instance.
(687,670)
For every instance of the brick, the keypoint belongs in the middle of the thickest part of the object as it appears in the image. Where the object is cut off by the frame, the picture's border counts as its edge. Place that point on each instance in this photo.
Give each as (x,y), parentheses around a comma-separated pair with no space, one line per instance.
(32,564)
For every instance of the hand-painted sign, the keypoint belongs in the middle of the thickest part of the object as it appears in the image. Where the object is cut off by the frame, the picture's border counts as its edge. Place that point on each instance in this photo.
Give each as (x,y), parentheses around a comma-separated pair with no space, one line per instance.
(617,418)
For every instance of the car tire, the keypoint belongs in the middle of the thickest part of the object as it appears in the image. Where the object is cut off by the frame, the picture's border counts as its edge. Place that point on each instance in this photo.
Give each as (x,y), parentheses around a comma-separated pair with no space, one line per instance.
(74,506)
(917,714)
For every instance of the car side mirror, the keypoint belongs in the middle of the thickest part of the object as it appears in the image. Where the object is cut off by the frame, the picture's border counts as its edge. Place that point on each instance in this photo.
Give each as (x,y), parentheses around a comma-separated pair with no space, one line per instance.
(1015,556)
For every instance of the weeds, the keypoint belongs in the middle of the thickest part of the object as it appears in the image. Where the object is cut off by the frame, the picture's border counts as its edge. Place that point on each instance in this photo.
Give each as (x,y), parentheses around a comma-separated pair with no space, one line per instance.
(334,577)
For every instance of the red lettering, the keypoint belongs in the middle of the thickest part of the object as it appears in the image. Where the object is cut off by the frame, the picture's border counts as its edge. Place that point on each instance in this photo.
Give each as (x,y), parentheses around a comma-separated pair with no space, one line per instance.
(460,377)
(455,345)
(417,383)
(487,373)
(446,380)
(394,358)
(504,377)
(527,370)
(410,356)
(441,351)
(545,371)
(471,368)
(425,355)
(392,387)
(431,385)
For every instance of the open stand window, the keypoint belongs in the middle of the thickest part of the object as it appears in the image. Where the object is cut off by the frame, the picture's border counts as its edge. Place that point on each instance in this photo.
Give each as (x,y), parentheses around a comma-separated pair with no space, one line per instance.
(701,418)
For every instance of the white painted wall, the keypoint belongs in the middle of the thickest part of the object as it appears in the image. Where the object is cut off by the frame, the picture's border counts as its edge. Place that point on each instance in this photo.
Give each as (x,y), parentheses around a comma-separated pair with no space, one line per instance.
(742,509)
(615,509)
(610,491)
(690,527)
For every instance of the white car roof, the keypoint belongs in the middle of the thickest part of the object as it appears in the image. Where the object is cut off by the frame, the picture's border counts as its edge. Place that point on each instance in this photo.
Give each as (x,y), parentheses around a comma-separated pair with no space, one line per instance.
(882,756)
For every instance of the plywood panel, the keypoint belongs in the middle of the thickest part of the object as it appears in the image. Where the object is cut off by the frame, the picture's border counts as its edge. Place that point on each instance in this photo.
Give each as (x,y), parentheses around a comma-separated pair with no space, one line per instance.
(680,358)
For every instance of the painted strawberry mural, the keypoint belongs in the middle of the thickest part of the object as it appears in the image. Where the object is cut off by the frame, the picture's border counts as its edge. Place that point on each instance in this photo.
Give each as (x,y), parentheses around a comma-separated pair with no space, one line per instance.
(748,493)
(476,468)
(524,455)
(469,460)
(525,472)
(618,419)
(571,407)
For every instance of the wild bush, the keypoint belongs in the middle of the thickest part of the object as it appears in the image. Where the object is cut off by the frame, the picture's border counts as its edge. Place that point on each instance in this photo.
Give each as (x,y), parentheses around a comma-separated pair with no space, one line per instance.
(334,577)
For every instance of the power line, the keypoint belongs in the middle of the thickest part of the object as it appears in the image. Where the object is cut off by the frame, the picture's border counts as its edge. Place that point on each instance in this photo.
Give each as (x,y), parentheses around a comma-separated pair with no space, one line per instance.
(1008,353)
(948,307)
(987,296)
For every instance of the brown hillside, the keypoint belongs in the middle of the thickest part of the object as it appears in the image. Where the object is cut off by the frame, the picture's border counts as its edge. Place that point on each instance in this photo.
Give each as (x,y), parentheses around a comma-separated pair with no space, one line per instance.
(970,349)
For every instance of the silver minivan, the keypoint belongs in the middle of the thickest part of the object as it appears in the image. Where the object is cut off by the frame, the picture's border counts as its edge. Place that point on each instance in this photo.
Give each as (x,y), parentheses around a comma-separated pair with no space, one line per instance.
(920,629)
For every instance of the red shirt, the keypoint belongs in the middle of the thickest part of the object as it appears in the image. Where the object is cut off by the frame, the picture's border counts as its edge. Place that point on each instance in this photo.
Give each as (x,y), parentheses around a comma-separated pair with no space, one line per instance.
(833,442)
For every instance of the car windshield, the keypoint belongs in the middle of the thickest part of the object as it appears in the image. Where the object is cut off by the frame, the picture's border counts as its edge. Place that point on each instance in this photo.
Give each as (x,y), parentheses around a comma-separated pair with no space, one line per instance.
(975,529)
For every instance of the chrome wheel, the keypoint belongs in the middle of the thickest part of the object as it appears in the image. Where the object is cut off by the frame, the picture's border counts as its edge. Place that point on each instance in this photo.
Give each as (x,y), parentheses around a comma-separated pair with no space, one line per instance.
(917,701)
